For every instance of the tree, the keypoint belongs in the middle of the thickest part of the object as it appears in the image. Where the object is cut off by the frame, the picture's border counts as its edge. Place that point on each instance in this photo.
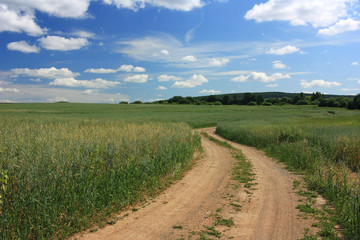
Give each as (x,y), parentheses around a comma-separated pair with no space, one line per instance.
(248,97)
(260,99)
(355,104)
(226,100)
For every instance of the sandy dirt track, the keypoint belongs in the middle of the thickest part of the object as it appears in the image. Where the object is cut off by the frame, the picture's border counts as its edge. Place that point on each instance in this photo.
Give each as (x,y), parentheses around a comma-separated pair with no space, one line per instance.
(268,212)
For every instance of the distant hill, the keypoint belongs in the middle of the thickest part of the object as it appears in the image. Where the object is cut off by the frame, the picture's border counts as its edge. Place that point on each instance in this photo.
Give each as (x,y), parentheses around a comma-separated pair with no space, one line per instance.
(273,95)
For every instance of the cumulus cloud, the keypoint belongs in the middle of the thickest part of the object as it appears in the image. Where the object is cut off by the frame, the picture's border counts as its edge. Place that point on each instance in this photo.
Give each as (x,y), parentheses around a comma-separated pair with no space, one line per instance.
(139,69)
(161,88)
(19,15)
(166,78)
(195,80)
(126,68)
(63,8)
(49,73)
(181,5)
(260,77)
(318,83)
(320,13)
(343,25)
(165,52)
(57,99)
(123,68)
(278,65)
(23,46)
(90,92)
(272,85)
(212,92)
(284,50)
(217,62)
(189,58)
(95,83)
(100,70)
(15,21)
(138,78)
(354,64)
(63,44)
(9,90)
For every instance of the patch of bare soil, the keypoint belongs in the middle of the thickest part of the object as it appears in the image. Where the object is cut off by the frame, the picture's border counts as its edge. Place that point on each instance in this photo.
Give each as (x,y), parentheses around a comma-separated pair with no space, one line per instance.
(206,201)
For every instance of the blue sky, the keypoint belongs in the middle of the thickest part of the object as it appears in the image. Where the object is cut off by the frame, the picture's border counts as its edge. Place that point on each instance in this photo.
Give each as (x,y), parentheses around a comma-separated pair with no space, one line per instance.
(127,50)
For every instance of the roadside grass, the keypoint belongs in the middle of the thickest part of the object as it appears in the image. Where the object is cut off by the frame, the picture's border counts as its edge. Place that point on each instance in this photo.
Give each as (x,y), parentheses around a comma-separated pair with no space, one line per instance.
(325,150)
(49,152)
(58,176)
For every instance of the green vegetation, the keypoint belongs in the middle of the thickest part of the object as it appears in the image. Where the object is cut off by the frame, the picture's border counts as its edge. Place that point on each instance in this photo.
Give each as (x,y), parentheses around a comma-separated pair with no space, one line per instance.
(56,175)
(64,166)
(269,99)
(326,150)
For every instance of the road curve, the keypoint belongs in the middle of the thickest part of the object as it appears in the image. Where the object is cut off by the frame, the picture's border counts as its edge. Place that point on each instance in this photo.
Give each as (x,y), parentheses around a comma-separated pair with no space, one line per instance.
(188,205)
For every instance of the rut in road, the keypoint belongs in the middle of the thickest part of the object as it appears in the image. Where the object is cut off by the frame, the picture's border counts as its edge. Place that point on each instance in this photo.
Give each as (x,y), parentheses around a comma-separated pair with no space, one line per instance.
(189,207)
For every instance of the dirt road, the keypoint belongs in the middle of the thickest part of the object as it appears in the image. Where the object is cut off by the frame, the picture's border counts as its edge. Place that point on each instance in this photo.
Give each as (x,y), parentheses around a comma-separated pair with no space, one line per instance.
(189,208)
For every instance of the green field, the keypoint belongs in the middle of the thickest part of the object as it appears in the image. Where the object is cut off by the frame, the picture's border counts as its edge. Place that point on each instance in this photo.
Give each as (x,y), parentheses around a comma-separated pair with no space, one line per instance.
(64,165)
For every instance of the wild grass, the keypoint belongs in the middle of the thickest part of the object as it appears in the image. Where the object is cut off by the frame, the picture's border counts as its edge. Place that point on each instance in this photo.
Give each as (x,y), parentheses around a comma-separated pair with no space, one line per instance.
(63,166)
(57,176)
(326,150)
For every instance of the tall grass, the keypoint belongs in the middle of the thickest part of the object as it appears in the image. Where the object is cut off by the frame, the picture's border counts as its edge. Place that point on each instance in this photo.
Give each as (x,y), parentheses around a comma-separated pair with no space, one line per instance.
(326,150)
(56,176)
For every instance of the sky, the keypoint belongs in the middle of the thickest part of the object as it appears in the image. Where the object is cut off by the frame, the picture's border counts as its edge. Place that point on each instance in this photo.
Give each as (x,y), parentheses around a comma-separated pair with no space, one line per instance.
(107,51)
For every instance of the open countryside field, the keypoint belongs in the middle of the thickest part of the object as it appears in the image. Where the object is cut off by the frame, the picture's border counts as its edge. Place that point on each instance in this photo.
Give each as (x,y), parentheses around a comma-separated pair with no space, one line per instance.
(64,166)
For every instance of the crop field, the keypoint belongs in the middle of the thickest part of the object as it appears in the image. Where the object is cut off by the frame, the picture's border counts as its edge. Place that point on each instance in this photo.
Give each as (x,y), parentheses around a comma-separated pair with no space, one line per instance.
(64,166)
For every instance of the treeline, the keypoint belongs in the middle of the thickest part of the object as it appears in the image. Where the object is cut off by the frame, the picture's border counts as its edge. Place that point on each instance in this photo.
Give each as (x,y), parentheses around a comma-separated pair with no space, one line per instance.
(317,98)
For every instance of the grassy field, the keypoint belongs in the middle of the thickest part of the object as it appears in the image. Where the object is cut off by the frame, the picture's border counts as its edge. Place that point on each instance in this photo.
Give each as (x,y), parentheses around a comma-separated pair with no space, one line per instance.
(326,150)
(65,165)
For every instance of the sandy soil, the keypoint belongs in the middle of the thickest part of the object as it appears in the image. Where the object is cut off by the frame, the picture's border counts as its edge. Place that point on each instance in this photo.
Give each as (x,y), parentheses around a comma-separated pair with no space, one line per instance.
(268,211)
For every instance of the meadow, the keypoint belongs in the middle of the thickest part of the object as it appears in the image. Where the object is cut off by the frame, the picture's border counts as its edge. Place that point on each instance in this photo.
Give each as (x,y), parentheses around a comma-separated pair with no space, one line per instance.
(64,165)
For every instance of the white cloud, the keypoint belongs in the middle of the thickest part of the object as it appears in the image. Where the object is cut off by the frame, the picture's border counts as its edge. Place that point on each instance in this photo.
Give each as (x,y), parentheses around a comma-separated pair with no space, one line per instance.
(218,61)
(161,88)
(49,73)
(19,15)
(23,46)
(95,83)
(126,68)
(90,92)
(123,68)
(350,89)
(354,64)
(36,93)
(63,44)
(278,65)
(100,70)
(63,8)
(195,80)
(166,78)
(284,50)
(272,85)
(260,77)
(319,13)
(9,90)
(181,5)
(318,83)
(139,69)
(138,78)
(150,48)
(165,52)
(83,34)
(57,99)
(343,25)
(189,58)
(212,92)
(15,21)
